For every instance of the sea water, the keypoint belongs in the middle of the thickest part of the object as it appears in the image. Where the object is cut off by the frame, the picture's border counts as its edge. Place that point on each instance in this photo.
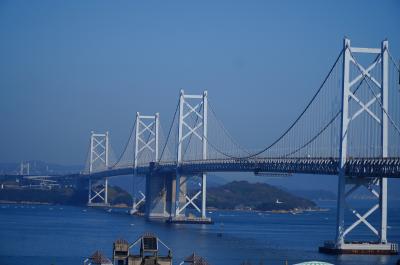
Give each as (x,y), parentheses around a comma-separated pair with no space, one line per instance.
(66,235)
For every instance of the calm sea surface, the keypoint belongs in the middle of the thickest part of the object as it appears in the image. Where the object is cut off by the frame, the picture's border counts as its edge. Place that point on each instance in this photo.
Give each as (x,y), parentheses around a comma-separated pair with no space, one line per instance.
(65,235)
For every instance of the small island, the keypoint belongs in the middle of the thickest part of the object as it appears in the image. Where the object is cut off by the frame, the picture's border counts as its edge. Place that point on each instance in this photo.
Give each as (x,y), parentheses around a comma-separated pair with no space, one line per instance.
(242,195)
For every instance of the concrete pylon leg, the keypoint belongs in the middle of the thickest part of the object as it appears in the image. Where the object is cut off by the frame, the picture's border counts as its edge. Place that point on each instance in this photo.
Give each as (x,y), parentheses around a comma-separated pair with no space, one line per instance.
(340,209)
(383,208)
(177,195)
(106,190)
(203,195)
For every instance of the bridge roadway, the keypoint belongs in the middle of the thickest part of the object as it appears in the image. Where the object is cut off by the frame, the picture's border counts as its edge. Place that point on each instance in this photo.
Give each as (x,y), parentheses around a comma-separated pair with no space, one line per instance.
(355,167)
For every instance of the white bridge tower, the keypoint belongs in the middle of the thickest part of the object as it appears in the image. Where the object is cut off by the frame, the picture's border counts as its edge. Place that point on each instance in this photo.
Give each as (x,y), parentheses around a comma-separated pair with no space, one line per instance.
(196,106)
(146,140)
(99,160)
(348,185)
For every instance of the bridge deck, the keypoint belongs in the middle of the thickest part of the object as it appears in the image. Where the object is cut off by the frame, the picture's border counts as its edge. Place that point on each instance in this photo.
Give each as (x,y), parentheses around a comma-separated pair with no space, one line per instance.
(355,167)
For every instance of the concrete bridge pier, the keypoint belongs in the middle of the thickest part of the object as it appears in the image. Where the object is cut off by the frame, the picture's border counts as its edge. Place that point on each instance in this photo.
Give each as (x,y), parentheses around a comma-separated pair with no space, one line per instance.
(156,197)
(168,198)
(161,194)
(178,199)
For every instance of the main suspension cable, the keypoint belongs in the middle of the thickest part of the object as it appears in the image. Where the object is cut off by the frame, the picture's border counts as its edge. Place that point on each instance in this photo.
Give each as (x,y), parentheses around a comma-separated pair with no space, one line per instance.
(126,145)
(169,131)
(293,124)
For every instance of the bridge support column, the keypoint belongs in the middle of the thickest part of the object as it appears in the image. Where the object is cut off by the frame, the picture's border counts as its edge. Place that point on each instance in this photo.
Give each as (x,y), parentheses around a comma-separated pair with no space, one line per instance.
(378,186)
(156,197)
(384,137)
(106,190)
(383,208)
(179,189)
(203,195)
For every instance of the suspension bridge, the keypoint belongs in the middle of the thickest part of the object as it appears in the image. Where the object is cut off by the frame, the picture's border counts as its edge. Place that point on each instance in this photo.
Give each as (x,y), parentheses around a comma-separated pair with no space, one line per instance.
(349,128)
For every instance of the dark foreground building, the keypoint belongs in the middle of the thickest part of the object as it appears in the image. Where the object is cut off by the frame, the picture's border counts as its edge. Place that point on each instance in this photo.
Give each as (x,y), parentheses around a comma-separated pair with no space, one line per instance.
(144,251)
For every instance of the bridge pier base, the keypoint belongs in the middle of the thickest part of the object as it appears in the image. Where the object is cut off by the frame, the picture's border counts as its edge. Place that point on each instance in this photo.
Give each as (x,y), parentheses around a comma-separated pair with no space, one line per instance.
(360,248)
(167,198)
(379,246)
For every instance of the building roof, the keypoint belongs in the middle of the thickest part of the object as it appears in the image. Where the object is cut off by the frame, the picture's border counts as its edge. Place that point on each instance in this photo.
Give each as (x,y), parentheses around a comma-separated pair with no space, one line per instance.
(98,258)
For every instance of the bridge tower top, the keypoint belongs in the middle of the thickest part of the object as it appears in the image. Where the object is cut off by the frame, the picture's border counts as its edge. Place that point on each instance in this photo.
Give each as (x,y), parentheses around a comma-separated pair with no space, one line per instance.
(354,103)
(99,151)
(146,137)
(192,106)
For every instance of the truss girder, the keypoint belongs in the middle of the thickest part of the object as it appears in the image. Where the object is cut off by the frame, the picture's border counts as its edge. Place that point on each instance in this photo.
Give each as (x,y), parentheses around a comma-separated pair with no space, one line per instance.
(355,167)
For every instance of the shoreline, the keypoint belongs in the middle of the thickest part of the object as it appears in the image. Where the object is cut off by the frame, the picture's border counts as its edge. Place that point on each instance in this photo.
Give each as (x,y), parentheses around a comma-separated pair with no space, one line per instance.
(211,209)
(292,211)
(119,206)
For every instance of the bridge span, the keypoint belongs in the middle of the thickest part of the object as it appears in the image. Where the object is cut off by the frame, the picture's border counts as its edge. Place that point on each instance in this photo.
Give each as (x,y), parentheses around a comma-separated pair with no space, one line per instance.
(356,168)
(349,128)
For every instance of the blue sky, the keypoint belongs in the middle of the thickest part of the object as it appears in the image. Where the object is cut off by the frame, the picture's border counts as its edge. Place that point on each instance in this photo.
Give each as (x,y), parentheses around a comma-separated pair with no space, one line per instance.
(69,67)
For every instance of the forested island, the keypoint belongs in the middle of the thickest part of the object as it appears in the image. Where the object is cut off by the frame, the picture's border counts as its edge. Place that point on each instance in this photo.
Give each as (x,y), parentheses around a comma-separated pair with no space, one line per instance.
(242,195)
